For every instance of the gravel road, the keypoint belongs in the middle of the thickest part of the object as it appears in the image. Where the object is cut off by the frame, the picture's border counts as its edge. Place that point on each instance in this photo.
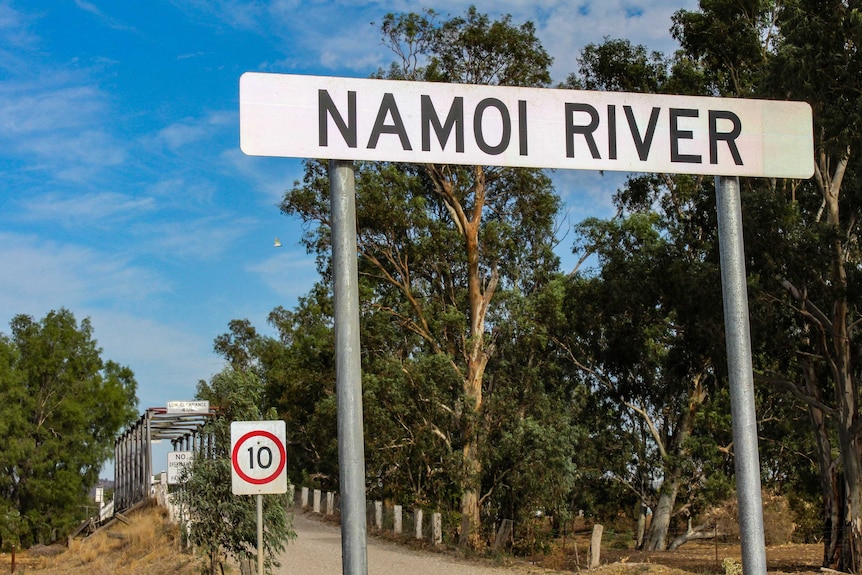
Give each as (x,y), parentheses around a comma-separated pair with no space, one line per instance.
(317,551)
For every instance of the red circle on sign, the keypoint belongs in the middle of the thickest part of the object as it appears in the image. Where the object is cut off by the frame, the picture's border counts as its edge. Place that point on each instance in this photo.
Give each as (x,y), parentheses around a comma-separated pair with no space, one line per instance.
(268,478)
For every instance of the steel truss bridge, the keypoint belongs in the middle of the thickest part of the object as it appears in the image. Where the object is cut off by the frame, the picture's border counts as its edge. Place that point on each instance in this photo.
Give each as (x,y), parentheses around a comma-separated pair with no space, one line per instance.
(133,449)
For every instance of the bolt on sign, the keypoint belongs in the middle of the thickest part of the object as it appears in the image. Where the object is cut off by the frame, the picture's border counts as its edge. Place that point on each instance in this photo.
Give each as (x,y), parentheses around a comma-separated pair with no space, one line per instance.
(400,121)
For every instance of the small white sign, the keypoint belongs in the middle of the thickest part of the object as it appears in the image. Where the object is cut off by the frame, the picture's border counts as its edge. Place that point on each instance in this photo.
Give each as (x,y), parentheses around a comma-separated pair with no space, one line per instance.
(258,457)
(188,407)
(429,122)
(177,461)
(100,494)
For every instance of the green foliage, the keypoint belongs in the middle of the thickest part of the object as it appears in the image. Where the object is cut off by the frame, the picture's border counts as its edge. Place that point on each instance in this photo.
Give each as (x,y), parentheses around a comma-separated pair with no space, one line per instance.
(819,61)
(221,521)
(61,406)
(466,49)
(618,66)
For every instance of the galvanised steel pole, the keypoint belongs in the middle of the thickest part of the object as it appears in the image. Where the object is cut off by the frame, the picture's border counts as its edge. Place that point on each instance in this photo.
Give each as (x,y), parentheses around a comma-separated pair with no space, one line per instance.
(260,557)
(741,375)
(348,368)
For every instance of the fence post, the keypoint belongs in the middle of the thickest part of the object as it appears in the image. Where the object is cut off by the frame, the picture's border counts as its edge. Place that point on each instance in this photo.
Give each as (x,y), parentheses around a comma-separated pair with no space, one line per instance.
(396,520)
(316,507)
(330,502)
(596,546)
(437,529)
(417,514)
(304,500)
(378,514)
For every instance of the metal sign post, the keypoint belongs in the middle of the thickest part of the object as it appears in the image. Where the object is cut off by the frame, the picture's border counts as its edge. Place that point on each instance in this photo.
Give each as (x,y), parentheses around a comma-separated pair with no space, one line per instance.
(348,368)
(734,291)
(260,560)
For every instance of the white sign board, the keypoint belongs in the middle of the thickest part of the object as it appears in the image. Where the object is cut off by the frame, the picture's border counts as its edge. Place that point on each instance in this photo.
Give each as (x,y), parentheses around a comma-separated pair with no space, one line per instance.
(258,457)
(177,461)
(423,122)
(188,407)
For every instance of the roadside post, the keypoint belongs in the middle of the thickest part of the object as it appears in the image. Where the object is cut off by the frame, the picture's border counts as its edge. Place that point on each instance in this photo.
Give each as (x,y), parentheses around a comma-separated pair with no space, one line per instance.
(734,290)
(348,119)
(348,368)
(258,466)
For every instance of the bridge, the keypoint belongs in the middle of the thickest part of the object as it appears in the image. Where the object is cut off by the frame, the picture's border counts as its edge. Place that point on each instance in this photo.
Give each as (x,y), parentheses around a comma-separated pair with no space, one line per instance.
(179,422)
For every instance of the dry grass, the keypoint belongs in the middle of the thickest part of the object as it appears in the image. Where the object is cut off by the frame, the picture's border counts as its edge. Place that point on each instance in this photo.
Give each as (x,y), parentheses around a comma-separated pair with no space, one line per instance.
(149,545)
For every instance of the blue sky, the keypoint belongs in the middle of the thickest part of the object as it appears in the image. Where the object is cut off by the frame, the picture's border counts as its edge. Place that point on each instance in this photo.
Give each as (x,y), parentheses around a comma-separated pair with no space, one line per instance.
(125,196)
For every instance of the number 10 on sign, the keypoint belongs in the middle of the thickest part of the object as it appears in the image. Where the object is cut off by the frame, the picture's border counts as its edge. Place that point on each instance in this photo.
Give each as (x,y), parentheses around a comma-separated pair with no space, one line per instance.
(258,457)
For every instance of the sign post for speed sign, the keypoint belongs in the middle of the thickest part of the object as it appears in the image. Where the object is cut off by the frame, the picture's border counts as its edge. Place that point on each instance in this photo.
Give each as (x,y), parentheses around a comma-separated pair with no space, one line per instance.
(258,457)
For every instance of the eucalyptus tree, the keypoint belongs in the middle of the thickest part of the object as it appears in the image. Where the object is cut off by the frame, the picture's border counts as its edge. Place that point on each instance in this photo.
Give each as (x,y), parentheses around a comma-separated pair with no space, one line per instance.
(646,334)
(440,242)
(296,371)
(808,50)
(650,315)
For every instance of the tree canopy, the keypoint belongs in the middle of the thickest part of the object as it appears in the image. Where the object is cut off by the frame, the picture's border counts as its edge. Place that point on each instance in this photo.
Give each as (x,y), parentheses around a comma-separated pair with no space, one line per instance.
(61,406)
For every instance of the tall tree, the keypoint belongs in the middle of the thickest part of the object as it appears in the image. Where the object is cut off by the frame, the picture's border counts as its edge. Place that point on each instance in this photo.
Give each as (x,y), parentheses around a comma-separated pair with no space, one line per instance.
(649,335)
(61,406)
(809,50)
(441,241)
(646,333)
(299,380)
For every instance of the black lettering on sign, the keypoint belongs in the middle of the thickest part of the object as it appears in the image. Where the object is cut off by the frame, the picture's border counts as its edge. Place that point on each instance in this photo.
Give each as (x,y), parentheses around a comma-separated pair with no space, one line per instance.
(522,127)
(642,144)
(585,130)
(504,118)
(388,108)
(264,457)
(455,119)
(326,107)
(677,134)
(729,137)
(612,132)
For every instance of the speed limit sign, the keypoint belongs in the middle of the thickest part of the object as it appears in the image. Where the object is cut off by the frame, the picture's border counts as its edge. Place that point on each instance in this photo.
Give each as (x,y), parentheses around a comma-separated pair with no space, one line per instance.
(258,457)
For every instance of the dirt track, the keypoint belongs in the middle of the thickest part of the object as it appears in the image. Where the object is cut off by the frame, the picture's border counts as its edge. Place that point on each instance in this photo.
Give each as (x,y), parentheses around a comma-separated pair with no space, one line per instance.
(317,551)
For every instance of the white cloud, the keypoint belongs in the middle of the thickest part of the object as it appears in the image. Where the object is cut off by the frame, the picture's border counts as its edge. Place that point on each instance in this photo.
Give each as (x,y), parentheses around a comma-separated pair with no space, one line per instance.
(190,130)
(201,239)
(571,26)
(13,29)
(239,14)
(87,208)
(27,108)
(270,177)
(107,20)
(58,128)
(182,193)
(320,32)
(43,274)
(587,193)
